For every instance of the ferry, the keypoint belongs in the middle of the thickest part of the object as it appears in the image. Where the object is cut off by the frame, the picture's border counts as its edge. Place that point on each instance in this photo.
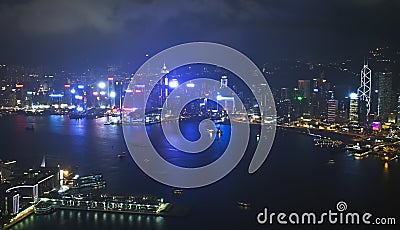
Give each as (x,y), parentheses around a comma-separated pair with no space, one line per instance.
(244,204)
(44,208)
(121,155)
(219,131)
(90,181)
(177,191)
(211,131)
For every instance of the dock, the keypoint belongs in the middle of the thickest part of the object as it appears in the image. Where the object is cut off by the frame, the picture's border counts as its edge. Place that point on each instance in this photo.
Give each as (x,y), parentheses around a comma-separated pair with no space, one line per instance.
(144,205)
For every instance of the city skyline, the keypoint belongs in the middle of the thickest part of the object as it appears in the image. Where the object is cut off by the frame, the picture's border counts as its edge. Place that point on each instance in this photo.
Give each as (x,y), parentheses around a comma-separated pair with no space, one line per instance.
(130,114)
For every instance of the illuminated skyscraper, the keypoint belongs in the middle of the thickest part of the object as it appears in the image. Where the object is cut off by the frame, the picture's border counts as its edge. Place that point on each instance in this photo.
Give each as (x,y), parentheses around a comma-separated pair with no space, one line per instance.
(164,83)
(398,110)
(304,85)
(332,109)
(304,88)
(224,81)
(385,94)
(353,111)
(364,92)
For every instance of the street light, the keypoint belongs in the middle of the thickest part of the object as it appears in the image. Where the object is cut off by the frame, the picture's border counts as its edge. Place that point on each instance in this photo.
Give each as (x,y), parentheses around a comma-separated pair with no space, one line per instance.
(112,94)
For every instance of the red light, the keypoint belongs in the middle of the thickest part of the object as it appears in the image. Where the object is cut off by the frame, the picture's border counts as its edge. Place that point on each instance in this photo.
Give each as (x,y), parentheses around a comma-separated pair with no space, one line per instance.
(19,85)
(67,86)
(110,79)
(138,91)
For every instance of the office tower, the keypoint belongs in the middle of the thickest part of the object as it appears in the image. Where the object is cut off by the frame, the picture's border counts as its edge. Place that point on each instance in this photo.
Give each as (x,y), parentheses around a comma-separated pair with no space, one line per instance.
(364,93)
(164,84)
(321,93)
(385,94)
(353,111)
(224,81)
(332,109)
(304,90)
(304,85)
(398,110)
(284,93)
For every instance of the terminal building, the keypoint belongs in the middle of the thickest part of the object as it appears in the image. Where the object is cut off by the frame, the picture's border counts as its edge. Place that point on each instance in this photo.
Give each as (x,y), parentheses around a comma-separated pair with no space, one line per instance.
(21,190)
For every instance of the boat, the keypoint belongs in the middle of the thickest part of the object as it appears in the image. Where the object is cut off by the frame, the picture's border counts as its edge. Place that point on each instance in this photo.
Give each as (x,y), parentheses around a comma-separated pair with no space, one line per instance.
(43,208)
(211,131)
(177,191)
(244,204)
(121,155)
(90,181)
(219,131)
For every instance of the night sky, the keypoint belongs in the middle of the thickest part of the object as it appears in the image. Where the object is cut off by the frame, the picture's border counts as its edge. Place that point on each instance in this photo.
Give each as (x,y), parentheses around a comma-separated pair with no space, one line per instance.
(84,33)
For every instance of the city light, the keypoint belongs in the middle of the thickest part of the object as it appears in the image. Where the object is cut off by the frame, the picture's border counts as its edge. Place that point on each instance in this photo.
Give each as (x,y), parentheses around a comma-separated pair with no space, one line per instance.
(73,91)
(67,85)
(353,96)
(56,95)
(110,79)
(81,86)
(299,98)
(79,109)
(95,93)
(190,85)
(112,94)
(78,97)
(102,93)
(101,85)
(376,126)
(316,90)
(173,83)
(219,97)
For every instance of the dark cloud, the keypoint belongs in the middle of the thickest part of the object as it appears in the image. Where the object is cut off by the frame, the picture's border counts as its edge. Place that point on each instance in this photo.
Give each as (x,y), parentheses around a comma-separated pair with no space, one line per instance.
(58,16)
(100,31)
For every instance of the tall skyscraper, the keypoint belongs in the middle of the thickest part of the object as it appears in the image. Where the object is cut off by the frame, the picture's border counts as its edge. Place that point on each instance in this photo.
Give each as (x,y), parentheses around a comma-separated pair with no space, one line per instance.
(332,110)
(385,95)
(353,111)
(164,84)
(321,93)
(224,81)
(364,92)
(284,93)
(304,85)
(398,110)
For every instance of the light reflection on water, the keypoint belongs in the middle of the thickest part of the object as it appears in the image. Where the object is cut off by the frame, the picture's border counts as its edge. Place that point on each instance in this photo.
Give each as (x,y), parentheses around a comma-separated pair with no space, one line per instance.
(296,176)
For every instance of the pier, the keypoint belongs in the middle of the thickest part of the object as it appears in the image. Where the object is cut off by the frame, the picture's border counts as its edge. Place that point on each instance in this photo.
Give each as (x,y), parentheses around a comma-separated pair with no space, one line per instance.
(110,203)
